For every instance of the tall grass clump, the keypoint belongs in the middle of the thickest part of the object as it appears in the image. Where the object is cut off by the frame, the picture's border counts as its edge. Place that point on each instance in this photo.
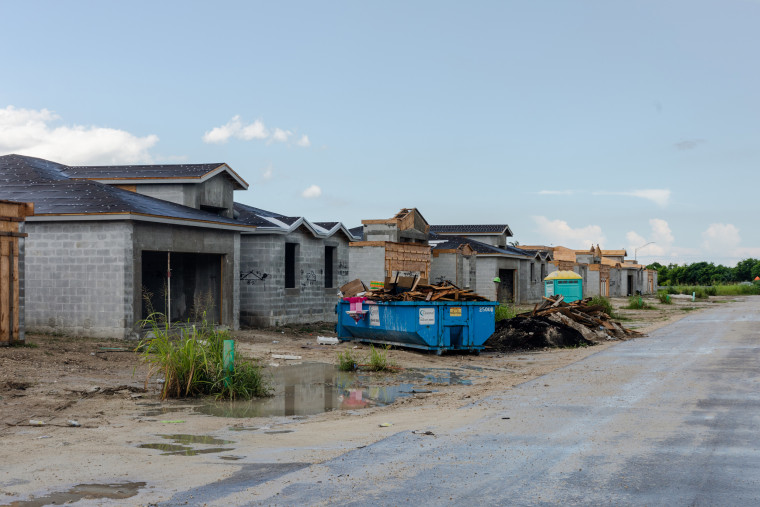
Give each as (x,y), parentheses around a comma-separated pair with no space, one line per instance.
(347,361)
(604,303)
(378,359)
(191,360)
(504,312)
(637,303)
(664,297)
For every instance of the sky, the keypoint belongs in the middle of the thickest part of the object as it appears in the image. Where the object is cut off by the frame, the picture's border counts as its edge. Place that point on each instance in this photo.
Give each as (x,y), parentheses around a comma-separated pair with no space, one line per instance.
(576,122)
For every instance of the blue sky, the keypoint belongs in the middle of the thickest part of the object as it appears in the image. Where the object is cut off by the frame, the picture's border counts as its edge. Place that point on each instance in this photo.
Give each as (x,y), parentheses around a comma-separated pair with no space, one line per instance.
(612,122)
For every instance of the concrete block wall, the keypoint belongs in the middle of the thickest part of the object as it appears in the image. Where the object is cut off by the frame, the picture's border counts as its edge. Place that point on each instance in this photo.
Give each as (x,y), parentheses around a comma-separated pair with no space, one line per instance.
(264,300)
(79,278)
(367,263)
(531,289)
(446,266)
(487,270)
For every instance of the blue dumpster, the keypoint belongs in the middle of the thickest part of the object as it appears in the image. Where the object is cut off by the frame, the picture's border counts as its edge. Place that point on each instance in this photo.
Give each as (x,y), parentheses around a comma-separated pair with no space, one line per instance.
(423,325)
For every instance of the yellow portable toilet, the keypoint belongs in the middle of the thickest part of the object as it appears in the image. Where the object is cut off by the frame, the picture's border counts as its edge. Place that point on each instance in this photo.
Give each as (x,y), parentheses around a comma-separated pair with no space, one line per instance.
(567,283)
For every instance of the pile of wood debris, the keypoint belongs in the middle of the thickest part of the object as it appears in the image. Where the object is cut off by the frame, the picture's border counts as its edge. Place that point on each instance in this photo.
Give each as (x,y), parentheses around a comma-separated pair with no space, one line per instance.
(590,320)
(554,323)
(444,291)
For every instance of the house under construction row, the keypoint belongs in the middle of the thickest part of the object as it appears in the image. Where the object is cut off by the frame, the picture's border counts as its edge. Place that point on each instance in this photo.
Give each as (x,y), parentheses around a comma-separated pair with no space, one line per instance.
(108,246)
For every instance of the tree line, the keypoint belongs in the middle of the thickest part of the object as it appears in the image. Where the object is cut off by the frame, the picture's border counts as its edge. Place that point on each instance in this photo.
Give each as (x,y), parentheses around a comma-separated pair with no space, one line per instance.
(706,273)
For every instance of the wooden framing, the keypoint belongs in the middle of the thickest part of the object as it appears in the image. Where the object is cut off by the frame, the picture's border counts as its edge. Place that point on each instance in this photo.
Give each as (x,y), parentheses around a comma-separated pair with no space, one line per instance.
(11,215)
(411,257)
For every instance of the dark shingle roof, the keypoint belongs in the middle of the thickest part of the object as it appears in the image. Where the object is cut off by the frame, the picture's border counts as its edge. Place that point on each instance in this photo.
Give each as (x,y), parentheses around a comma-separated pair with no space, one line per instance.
(453,242)
(44,183)
(326,225)
(105,172)
(357,232)
(255,216)
(472,229)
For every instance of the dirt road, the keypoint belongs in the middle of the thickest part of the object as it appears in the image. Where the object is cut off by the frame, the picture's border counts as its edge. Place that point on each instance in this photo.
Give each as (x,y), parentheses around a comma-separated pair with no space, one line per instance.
(99,431)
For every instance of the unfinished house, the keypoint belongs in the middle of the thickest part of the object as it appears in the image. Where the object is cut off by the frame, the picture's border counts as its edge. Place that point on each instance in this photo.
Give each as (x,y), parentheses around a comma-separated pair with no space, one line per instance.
(12,216)
(538,269)
(605,272)
(108,245)
(502,271)
(290,268)
(454,259)
(395,247)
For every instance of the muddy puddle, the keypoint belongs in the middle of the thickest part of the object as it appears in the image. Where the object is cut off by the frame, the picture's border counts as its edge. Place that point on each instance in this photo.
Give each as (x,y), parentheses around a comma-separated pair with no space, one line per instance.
(313,388)
(115,491)
(180,445)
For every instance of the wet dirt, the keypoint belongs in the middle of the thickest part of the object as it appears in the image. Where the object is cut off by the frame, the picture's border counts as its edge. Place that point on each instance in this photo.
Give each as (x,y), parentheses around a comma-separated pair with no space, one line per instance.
(312,388)
(184,439)
(72,379)
(115,491)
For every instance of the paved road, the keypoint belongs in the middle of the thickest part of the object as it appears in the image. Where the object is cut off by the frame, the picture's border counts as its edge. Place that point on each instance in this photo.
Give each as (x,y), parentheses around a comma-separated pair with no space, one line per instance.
(672,419)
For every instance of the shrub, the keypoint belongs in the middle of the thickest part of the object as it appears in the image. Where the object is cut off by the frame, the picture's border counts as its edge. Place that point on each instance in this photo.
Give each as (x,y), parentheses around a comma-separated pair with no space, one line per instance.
(505,312)
(192,363)
(711,290)
(664,297)
(604,303)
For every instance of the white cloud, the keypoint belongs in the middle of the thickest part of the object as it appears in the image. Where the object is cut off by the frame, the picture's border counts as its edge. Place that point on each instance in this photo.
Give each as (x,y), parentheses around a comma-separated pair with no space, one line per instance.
(659,196)
(659,235)
(235,128)
(267,173)
(32,132)
(281,135)
(559,232)
(721,238)
(312,192)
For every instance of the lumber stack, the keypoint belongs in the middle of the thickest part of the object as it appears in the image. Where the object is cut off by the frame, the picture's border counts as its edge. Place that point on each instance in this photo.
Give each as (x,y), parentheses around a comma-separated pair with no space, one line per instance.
(444,291)
(582,312)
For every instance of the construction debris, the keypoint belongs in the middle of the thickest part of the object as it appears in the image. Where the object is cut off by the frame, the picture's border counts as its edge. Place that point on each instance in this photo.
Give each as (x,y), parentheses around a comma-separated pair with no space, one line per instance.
(400,289)
(554,323)
(592,317)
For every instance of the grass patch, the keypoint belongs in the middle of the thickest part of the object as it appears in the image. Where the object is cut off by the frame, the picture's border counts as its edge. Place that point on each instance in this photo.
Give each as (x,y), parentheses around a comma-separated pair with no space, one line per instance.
(377,360)
(688,308)
(347,361)
(664,297)
(192,363)
(24,345)
(637,303)
(504,312)
(605,304)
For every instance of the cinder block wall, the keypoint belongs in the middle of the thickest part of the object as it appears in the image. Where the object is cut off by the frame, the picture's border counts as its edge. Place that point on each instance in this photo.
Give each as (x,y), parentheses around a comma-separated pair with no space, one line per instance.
(264,300)
(486,271)
(444,267)
(531,289)
(79,278)
(367,263)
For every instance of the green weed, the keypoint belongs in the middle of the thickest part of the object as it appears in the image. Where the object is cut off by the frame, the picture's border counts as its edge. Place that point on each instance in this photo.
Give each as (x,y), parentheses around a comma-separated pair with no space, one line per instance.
(604,303)
(347,361)
(378,359)
(637,303)
(192,363)
(664,297)
(504,312)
